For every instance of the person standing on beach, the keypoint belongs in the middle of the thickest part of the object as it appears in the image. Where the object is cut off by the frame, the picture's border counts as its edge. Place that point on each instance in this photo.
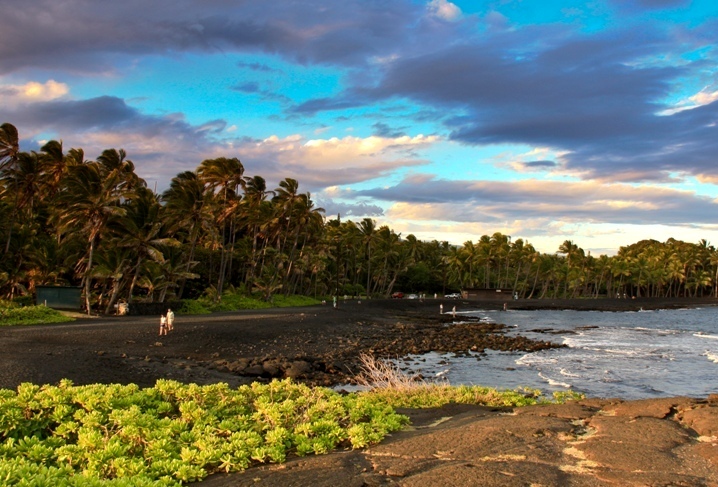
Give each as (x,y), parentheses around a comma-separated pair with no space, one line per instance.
(453,312)
(163,325)
(170,320)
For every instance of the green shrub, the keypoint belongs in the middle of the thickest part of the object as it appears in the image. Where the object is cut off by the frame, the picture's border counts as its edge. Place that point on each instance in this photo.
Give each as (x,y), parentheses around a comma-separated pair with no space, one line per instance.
(31,315)
(282,301)
(233,301)
(193,307)
(173,433)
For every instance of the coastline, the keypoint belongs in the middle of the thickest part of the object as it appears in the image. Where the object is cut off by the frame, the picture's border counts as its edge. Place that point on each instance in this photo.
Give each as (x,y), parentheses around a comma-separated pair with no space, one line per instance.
(594,442)
(318,345)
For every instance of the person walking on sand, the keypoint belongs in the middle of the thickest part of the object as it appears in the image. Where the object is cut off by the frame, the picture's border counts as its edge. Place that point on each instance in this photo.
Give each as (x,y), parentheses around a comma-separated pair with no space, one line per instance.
(453,312)
(441,309)
(170,320)
(163,325)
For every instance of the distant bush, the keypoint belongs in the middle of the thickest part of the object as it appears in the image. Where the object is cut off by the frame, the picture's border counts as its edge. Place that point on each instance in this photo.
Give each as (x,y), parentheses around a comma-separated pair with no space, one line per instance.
(282,301)
(235,301)
(193,307)
(31,315)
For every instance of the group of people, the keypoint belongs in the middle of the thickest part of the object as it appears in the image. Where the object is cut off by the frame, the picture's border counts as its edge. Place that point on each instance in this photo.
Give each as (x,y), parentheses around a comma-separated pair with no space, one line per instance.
(167,322)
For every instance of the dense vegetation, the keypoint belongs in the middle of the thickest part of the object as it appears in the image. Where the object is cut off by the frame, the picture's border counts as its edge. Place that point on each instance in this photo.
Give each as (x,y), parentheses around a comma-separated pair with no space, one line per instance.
(66,220)
(171,434)
(14,314)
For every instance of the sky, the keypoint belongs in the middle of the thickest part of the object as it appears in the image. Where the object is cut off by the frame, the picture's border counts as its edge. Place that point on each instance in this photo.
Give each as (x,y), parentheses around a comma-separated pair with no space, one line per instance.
(590,121)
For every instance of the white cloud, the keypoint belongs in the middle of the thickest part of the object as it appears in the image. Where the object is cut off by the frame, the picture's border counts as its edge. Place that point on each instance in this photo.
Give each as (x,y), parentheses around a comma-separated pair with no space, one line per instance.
(703,97)
(444,10)
(32,92)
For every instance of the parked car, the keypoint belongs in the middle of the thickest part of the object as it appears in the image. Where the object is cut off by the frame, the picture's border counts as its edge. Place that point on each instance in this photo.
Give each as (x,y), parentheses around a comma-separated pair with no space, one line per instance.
(412,296)
(397,295)
(453,296)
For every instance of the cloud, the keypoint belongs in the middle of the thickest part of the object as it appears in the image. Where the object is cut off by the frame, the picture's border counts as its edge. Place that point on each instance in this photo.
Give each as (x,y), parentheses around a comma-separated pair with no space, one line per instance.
(160,146)
(32,91)
(703,97)
(539,164)
(652,4)
(85,36)
(248,87)
(319,163)
(353,211)
(569,202)
(444,10)
(592,97)
(258,67)
(383,130)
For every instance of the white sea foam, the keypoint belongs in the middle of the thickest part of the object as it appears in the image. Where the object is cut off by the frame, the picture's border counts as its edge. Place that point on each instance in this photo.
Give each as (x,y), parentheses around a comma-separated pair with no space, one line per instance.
(552,382)
(628,355)
(568,374)
(704,335)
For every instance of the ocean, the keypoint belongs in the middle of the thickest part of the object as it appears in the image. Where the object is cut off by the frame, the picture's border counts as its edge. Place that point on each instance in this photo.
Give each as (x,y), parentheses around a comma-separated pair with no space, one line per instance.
(629,355)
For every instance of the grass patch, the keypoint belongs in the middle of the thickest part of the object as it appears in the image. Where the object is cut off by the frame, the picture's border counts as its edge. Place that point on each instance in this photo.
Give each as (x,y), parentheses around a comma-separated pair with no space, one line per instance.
(236,301)
(31,315)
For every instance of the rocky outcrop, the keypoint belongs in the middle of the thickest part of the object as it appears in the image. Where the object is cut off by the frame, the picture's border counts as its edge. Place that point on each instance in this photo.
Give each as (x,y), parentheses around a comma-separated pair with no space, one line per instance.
(586,443)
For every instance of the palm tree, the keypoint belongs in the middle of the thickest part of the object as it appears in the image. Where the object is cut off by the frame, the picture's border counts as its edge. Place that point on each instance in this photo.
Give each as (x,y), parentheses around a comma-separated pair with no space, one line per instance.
(114,265)
(23,184)
(256,212)
(367,227)
(115,166)
(224,176)
(88,200)
(9,145)
(185,202)
(140,230)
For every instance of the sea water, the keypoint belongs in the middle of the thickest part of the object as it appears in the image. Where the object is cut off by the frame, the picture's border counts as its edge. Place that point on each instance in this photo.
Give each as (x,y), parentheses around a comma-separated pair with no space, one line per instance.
(631,355)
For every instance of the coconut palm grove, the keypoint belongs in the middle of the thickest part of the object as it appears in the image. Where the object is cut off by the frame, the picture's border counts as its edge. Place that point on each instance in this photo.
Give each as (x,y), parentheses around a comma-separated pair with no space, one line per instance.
(67,220)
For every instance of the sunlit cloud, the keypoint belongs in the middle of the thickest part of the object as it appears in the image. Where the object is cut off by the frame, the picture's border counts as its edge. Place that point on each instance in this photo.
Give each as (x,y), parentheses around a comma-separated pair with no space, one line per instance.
(703,97)
(504,201)
(321,163)
(32,92)
(444,10)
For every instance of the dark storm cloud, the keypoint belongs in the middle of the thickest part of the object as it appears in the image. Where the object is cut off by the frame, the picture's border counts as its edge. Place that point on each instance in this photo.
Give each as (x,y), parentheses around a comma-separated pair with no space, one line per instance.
(86,35)
(592,96)
(101,113)
(103,122)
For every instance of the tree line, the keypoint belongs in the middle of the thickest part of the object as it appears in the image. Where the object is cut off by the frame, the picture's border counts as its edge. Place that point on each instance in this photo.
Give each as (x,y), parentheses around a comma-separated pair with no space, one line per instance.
(69,220)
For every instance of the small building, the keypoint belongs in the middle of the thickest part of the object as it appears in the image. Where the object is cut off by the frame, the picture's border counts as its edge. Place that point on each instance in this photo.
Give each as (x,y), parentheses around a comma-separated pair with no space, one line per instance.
(59,297)
(488,294)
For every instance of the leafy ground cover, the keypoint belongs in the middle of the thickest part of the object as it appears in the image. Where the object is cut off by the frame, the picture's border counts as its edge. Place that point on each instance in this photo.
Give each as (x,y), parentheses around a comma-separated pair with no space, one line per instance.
(172,434)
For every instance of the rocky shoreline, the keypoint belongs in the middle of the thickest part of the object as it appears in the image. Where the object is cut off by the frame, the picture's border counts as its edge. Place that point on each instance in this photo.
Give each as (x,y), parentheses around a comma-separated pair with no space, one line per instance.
(595,442)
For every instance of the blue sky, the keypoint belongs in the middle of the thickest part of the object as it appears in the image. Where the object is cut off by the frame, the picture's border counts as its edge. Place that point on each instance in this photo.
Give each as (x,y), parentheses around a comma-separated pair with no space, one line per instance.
(544,120)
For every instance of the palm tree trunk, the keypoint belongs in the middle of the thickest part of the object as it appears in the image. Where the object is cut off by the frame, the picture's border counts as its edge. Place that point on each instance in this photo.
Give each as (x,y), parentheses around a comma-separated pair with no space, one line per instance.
(88,279)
